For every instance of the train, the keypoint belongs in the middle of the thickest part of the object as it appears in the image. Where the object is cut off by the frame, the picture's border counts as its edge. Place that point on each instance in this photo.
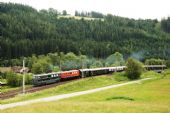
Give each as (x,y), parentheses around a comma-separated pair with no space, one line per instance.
(48,78)
(157,68)
(54,77)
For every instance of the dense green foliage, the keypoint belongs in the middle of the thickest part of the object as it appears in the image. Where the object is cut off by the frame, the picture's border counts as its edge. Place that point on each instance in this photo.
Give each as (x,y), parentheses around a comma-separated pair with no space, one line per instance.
(14,79)
(96,64)
(25,31)
(154,61)
(92,14)
(40,67)
(60,61)
(168,63)
(69,61)
(56,62)
(134,69)
(115,59)
(165,24)
(2,75)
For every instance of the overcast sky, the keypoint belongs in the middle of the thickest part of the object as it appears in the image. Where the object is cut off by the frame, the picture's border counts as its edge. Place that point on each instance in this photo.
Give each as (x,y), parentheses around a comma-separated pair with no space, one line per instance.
(145,9)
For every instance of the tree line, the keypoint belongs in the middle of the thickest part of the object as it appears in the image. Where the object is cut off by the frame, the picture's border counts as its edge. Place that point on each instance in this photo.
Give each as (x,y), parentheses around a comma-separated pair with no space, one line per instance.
(92,14)
(61,62)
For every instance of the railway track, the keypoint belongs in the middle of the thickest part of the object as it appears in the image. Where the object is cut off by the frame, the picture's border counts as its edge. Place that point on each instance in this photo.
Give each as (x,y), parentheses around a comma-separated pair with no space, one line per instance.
(13,93)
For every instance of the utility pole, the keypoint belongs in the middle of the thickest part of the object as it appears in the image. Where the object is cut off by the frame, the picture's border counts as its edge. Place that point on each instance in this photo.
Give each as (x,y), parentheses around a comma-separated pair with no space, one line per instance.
(162,65)
(23,80)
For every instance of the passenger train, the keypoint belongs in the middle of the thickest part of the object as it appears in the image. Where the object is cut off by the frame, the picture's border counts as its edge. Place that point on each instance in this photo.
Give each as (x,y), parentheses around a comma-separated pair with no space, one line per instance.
(48,78)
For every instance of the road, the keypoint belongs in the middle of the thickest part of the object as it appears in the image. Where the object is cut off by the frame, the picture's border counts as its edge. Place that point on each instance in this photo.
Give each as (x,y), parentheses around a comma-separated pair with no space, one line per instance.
(63,96)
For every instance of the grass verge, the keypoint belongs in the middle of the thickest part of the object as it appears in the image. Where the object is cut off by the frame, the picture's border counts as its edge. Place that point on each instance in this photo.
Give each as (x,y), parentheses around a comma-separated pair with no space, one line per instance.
(9,88)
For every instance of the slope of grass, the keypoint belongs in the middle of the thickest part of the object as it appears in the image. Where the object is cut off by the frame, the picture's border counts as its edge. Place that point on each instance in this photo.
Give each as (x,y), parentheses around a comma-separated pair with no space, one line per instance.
(152,96)
(150,74)
(9,88)
(80,85)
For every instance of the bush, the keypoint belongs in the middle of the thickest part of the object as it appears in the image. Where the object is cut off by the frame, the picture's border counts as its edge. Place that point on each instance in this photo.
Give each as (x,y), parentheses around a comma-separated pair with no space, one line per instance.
(70,65)
(115,59)
(3,75)
(28,79)
(96,64)
(154,61)
(134,69)
(15,80)
(56,69)
(42,66)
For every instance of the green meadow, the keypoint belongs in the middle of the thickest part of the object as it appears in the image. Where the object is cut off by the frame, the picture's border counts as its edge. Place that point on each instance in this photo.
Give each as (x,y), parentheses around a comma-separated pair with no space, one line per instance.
(79,85)
(151,96)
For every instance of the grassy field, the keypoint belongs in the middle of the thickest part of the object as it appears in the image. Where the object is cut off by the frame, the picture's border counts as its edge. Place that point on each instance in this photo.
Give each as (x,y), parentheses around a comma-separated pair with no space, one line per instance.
(80,85)
(152,96)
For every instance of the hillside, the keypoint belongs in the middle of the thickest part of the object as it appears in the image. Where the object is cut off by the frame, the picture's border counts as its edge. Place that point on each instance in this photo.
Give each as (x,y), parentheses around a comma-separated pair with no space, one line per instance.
(25,31)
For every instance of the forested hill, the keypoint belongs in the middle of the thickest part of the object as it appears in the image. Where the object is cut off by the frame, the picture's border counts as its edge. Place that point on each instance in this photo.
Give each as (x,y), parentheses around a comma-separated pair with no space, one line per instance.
(25,31)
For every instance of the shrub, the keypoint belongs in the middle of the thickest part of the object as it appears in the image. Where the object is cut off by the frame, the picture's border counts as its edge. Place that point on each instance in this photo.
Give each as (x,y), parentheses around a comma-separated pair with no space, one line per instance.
(56,69)
(42,66)
(96,64)
(115,59)
(134,69)
(154,61)
(3,75)
(15,80)
(28,78)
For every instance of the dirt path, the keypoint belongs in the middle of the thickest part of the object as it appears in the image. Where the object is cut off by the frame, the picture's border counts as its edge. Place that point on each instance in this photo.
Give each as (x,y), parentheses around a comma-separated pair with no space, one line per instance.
(63,96)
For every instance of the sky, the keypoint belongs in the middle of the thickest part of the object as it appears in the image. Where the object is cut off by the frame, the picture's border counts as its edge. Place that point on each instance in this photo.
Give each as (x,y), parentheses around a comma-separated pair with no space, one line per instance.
(144,9)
